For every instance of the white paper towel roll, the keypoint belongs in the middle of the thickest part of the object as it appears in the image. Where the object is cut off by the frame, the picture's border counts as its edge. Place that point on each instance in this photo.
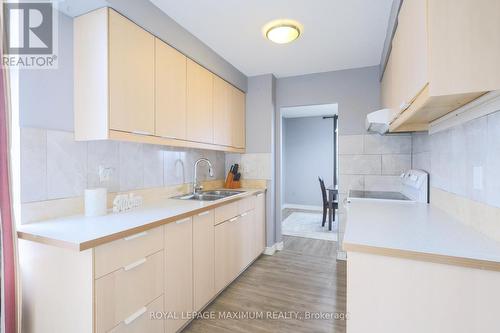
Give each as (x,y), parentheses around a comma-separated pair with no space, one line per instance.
(95,202)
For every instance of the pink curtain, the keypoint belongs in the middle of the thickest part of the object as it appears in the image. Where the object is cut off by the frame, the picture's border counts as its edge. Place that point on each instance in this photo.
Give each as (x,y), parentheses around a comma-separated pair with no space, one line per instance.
(7,228)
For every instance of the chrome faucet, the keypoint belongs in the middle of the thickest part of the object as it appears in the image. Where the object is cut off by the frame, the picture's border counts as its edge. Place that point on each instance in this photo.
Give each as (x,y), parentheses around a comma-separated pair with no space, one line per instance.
(197,187)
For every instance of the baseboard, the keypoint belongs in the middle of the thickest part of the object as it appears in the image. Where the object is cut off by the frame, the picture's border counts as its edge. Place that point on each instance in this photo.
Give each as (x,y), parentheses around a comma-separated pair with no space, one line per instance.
(303,207)
(270,250)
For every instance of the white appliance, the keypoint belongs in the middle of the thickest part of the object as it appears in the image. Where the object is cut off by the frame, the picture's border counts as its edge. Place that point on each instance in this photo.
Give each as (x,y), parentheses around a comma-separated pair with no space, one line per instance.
(414,188)
(379,121)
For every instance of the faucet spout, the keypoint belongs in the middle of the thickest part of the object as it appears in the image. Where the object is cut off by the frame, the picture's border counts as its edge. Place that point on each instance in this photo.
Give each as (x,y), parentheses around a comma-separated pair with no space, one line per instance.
(196,186)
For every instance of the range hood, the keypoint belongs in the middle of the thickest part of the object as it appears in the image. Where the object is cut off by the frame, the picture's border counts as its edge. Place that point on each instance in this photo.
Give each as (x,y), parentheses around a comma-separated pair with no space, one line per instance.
(379,121)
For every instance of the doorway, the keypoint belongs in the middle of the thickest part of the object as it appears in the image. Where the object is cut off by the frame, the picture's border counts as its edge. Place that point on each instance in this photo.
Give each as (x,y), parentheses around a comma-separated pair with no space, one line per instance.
(308,152)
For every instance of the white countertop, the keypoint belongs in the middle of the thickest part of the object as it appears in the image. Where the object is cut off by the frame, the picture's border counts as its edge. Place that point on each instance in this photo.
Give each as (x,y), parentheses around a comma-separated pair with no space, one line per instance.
(81,233)
(418,231)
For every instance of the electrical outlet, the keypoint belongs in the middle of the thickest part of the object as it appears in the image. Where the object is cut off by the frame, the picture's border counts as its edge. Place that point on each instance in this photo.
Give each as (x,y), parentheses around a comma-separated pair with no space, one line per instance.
(105,173)
(477,177)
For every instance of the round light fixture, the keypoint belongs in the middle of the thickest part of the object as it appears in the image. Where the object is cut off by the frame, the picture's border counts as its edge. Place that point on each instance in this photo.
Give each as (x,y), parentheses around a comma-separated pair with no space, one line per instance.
(282,31)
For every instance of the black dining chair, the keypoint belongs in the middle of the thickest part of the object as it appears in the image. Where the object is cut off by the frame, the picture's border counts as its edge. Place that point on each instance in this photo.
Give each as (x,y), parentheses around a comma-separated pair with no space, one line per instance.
(326,206)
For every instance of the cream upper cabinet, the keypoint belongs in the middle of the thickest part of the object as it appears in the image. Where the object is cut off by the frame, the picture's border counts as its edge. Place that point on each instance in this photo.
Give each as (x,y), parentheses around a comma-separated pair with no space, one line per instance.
(444,55)
(237,118)
(200,119)
(178,271)
(203,259)
(131,86)
(222,112)
(131,76)
(170,92)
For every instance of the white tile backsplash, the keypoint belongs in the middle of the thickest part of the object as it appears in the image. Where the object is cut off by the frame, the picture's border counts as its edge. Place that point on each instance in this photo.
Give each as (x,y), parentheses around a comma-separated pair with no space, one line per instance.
(66,165)
(131,166)
(351,144)
(152,156)
(492,169)
(373,162)
(54,165)
(395,164)
(387,144)
(104,154)
(360,164)
(451,156)
(33,165)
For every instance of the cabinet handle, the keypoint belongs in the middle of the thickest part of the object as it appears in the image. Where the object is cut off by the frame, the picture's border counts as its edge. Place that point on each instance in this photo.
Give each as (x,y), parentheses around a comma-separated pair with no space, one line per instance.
(134,264)
(260,194)
(135,315)
(141,234)
(183,221)
(204,213)
(142,132)
(233,219)
(244,214)
(168,137)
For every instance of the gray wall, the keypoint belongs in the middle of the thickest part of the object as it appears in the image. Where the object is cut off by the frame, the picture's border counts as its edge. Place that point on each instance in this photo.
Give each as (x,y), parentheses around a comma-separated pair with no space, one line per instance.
(308,153)
(357,92)
(46,96)
(260,113)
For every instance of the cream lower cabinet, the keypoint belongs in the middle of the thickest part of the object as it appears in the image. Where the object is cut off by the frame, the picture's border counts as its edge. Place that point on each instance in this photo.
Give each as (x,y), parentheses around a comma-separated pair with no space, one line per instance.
(173,269)
(259,224)
(178,272)
(203,259)
(239,239)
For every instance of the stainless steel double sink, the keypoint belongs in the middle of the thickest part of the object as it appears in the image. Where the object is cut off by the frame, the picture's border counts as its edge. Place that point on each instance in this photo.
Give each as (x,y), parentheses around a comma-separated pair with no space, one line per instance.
(208,195)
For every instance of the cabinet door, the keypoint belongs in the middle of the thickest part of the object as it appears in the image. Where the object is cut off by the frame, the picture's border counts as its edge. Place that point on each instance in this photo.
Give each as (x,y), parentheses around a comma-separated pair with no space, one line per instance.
(203,259)
(247,239)
(200,124)
(131,76)
(170,88)
(237,118)
(178,271)
(222,112)
(260,224)
(412,40)
(223,255)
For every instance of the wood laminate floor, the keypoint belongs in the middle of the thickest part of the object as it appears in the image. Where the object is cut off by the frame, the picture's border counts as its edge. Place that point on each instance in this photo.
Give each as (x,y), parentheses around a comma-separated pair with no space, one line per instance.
(302,279)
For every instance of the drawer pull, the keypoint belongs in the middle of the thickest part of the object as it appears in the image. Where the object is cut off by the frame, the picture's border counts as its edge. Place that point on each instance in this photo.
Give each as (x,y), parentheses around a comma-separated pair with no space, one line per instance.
(260,194)
(135,315)
(134,264)
(233,219)
(244,214)
(183,221)
(142,132)
(204,213)
(141,234)
(168,137)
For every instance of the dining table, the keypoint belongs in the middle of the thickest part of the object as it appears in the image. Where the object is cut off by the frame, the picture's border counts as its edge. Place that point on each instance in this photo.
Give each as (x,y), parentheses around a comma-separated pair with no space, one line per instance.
(333,191)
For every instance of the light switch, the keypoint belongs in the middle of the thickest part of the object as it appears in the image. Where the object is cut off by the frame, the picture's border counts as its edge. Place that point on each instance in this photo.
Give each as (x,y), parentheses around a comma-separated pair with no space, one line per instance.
(477,177)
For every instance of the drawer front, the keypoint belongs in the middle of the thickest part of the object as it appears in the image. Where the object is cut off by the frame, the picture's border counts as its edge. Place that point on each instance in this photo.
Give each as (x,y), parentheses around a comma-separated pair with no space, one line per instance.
(244,205)
(120,294)
(226,212)
(112,256)
(140,321)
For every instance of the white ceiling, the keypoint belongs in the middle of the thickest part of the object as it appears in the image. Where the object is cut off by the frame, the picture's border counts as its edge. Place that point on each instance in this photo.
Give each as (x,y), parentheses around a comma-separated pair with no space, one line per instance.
(309,111)
(338,34)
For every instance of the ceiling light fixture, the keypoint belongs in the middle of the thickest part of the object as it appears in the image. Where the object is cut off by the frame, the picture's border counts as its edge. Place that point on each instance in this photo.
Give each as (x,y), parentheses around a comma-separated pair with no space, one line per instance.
(282,31)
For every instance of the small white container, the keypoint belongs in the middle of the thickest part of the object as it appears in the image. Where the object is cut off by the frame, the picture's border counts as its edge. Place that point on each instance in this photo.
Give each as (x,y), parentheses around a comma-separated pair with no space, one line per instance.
(95,202)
